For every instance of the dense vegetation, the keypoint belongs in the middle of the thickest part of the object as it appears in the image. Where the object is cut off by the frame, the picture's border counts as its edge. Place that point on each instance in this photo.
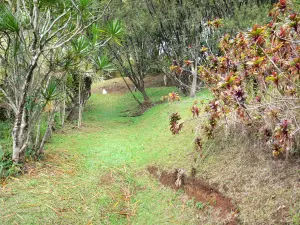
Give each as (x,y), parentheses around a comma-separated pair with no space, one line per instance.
(46,65)
(256,81)
(177,31)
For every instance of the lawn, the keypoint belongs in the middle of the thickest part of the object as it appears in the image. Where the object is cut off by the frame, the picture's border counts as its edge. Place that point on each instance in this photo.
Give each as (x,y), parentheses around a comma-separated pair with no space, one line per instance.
(98,174)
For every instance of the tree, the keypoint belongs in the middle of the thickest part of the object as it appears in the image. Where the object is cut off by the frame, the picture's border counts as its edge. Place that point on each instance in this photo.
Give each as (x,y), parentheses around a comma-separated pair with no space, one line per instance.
(33,33)
(133,56)
(184,27)
(87,65)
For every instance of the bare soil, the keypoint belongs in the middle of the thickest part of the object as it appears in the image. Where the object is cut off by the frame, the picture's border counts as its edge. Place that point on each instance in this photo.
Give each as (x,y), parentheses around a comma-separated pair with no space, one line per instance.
(199,191)
(118,86)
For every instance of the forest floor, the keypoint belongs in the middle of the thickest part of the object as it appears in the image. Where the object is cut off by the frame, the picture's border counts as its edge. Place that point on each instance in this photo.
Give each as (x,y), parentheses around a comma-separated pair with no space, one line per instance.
(121,170)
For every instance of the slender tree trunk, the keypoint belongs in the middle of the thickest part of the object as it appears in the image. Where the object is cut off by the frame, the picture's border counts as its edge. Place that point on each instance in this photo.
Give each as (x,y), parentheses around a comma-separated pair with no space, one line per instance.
(194,83)
(8,114)
(165,80)
(80,104)
(47,133)
(38,132)
(17,141)
(81,98)
(63,106)
(19,138)
(135,98)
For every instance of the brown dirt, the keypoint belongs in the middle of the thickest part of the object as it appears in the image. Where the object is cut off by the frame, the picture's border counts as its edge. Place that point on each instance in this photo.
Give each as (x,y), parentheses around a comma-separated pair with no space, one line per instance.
(118,86)
(200,191)
(106,179)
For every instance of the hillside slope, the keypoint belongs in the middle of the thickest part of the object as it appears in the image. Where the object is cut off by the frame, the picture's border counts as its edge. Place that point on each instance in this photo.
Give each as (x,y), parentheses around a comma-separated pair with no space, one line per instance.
(98,174)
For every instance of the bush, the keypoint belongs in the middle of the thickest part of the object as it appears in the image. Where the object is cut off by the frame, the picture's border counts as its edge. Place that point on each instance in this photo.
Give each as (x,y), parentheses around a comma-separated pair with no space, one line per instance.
(256,82)
(7,167)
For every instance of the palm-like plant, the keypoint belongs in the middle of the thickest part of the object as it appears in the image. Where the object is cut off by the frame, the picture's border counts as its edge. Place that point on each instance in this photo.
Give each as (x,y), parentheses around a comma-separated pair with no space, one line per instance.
(103,64)
(50,93)
(113,31)
(84,4)
(81,46)
(8,22)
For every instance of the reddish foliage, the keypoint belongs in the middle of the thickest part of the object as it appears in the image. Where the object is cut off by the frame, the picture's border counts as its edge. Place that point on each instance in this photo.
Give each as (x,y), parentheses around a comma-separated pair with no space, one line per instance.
(257,78)
(175,127)
(195,110)
(261,65)
(172,97)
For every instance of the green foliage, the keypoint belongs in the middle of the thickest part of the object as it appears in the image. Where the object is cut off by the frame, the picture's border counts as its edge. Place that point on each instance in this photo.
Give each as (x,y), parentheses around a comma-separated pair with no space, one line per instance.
(5,130)
(190,203)
(95,34)
(49,2)
(113,30)
(5,148)
(200,205)
(245,17)
(84,4)
(7,167)
(50,93)
(81,46)
(103,64)
(296,219)
(8,22)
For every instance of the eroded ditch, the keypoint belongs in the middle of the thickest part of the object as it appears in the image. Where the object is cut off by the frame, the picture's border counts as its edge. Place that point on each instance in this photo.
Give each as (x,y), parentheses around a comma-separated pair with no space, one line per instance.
(199,191)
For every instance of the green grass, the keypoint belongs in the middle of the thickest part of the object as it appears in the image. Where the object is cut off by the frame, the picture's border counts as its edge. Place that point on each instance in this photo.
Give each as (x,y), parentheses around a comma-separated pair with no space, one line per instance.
(97,174)
(5,135)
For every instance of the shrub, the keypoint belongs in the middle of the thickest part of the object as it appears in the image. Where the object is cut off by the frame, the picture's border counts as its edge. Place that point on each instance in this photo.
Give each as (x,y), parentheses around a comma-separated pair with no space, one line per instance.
(7,167)
(255,81)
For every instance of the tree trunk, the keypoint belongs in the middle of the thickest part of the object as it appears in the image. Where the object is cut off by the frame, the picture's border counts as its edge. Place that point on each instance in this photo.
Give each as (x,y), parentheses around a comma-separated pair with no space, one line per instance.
(19,135)
(47,133)
(19,138)
(63,106)
(194,83)
(144,93)
(38,132)
(80,104)
(135,98)
(165,80)
(85,95)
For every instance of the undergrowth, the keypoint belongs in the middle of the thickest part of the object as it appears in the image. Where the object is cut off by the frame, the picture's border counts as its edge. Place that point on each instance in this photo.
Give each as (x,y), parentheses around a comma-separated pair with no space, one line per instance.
(7,167)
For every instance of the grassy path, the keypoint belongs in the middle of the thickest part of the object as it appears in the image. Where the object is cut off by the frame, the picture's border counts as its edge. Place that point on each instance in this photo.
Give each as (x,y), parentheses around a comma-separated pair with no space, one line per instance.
(97,175)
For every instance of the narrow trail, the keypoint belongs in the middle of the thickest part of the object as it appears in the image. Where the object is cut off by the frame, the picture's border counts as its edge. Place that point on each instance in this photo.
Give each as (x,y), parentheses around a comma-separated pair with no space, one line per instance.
(97,174)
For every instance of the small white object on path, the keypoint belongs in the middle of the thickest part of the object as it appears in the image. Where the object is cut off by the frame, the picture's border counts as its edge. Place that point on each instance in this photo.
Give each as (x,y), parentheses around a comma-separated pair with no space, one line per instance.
(104,92)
